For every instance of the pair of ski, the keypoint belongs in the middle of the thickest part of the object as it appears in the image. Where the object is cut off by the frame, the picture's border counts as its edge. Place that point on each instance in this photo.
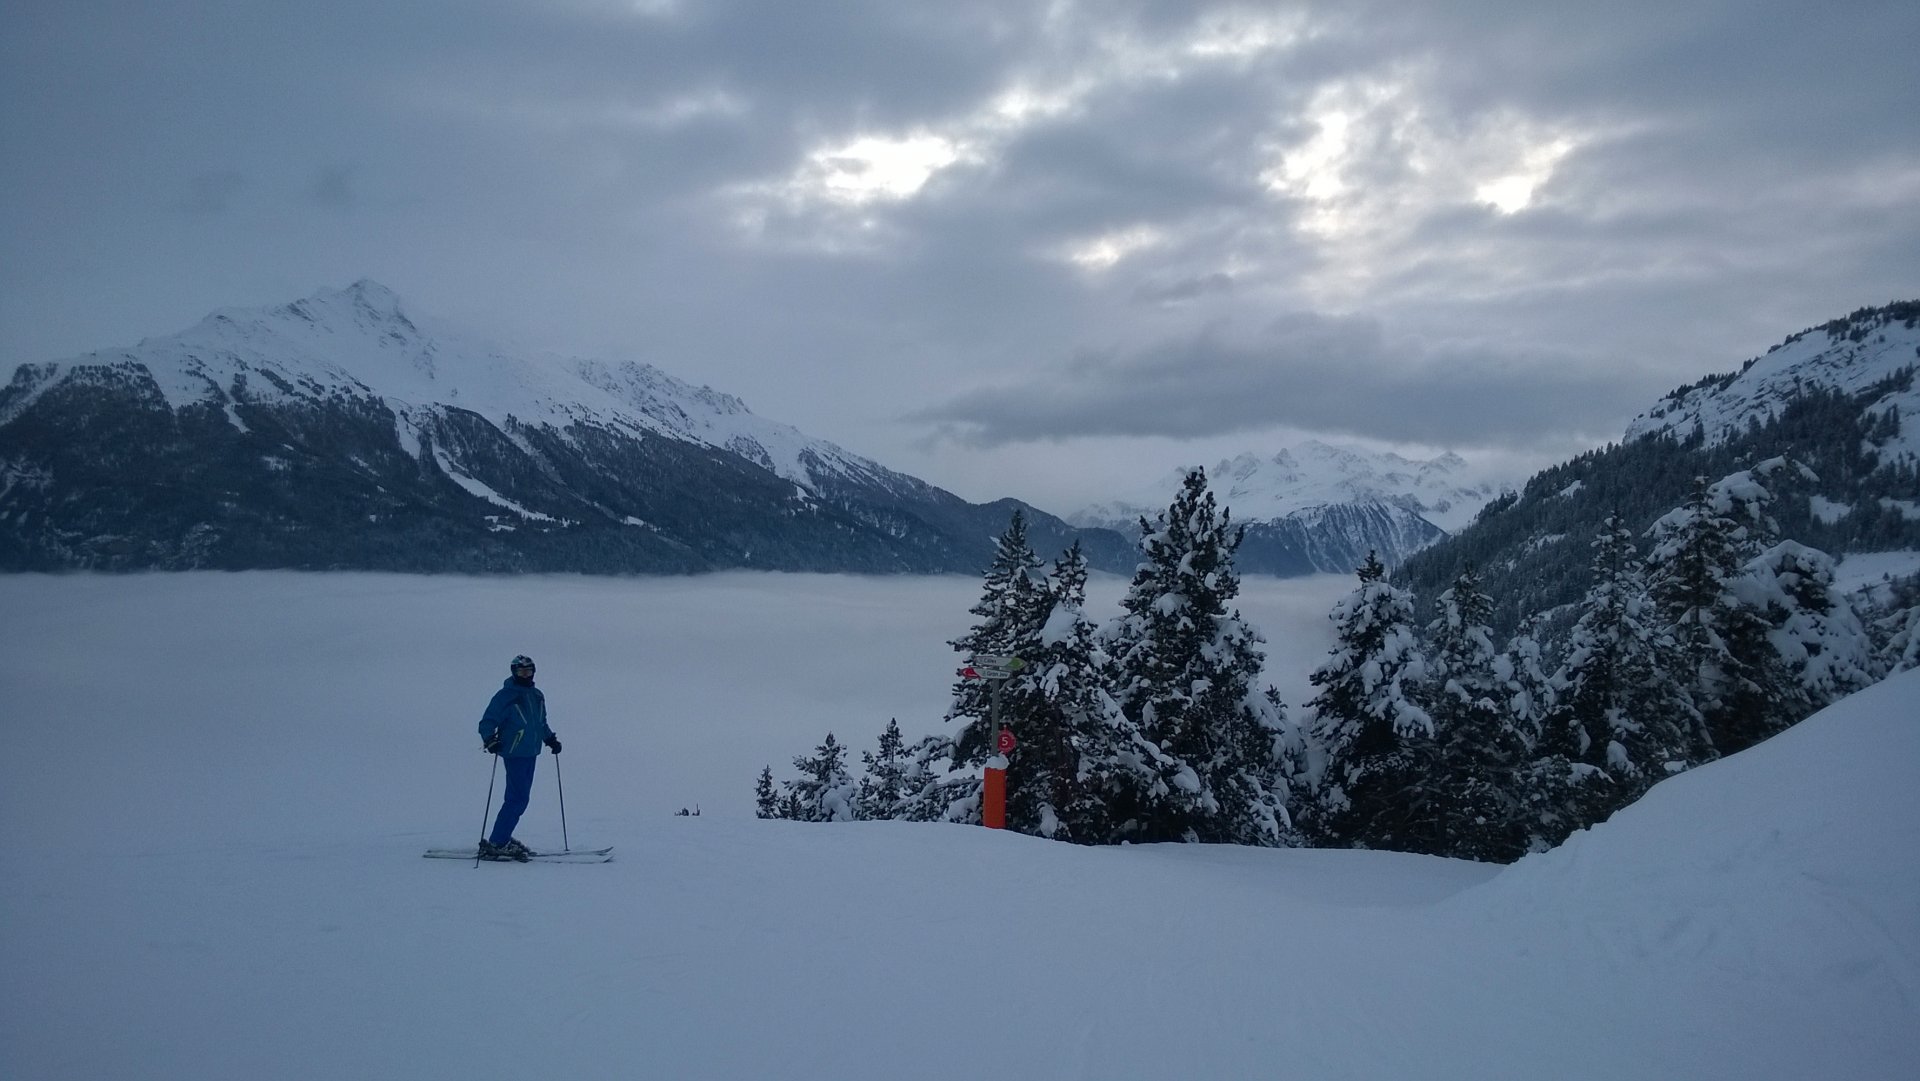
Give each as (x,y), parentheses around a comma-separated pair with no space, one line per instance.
(577,855)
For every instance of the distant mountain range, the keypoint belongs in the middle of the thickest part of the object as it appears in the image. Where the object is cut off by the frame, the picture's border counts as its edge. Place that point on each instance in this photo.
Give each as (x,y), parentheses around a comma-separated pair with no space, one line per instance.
(1320,508)
(338,432)
(1839,398)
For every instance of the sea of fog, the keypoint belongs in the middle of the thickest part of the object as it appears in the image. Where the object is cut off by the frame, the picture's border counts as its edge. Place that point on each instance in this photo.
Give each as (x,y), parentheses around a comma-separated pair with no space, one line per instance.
(675,690)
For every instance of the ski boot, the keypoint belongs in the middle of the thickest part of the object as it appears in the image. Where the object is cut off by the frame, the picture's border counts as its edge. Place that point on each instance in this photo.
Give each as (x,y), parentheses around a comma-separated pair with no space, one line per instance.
(498,853)
(516,850)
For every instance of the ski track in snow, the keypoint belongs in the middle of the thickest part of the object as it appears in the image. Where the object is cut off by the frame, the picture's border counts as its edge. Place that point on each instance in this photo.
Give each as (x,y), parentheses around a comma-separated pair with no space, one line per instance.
(225,783)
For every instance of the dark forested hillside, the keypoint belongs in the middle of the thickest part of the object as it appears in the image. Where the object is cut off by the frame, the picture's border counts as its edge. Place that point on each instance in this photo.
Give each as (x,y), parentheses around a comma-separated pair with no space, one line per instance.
(1532,547)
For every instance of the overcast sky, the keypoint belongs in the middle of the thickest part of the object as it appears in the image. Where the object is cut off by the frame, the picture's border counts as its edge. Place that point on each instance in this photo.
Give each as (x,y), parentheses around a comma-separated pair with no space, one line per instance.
(1023,248)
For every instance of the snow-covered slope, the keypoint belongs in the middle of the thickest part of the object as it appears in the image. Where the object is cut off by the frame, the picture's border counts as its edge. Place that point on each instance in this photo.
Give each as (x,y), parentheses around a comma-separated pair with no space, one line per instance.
(1849,355)
(360,341)
(213,871)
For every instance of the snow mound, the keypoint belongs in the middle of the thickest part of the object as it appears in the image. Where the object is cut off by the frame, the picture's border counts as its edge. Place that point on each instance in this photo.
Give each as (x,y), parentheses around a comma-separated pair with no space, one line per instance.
(1780,882)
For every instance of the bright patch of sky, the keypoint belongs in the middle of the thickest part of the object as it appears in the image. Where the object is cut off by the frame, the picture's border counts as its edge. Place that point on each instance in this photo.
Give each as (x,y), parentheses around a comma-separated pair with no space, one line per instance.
(1380,161)
(1514,192)
(875,167)
(1103,251)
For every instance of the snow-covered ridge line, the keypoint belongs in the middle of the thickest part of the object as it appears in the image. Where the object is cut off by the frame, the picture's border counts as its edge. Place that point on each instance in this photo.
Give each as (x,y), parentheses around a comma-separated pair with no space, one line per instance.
(1849,355)
(361,342)
(1306,479)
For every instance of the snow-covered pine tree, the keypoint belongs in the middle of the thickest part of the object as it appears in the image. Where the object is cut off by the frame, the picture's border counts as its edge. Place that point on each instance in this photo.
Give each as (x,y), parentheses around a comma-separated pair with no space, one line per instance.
(1896,625)
(766,800)
(1525,682)
(1483,749)
(1620,708)
(1558,793)
(1079,752)
(883,783)
(1377,735)
(1821,642)
(932,789)
(1011,610)
(824,792)
(1735,678)
(1184,666)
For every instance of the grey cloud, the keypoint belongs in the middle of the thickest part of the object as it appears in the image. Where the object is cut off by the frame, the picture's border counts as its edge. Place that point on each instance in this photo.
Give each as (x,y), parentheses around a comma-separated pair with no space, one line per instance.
(211,193)
(1338,375)
(1173,292)
(333,188)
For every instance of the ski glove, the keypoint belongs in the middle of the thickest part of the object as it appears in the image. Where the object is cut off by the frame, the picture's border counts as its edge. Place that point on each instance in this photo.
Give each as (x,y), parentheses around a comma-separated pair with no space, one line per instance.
(553,744)
(492,746)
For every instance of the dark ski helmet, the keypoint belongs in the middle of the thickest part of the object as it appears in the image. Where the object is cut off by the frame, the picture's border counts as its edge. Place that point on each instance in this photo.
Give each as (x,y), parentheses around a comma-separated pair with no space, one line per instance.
(520,661)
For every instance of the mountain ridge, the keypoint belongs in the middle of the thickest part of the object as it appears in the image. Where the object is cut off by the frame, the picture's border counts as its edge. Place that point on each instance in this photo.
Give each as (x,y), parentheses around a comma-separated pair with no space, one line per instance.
(1319,507)
(339,430)
(1839,398)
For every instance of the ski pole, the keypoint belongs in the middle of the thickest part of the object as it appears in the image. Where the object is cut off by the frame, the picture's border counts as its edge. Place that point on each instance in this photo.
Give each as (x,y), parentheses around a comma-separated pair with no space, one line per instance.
(565,845)
(492,771)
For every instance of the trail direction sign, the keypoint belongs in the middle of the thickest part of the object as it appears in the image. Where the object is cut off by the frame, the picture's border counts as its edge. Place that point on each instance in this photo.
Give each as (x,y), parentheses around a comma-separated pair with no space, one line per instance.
(992,666)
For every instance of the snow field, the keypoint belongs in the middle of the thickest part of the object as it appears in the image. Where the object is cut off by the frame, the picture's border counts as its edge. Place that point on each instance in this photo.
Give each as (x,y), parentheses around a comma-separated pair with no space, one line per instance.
(223,783)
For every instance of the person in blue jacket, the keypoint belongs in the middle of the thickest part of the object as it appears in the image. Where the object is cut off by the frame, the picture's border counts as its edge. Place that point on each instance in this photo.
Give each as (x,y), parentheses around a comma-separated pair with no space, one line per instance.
(515,727)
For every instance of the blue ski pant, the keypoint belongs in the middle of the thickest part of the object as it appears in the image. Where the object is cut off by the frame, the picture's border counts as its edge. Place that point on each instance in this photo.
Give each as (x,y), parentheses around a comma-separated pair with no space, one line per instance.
(514,803)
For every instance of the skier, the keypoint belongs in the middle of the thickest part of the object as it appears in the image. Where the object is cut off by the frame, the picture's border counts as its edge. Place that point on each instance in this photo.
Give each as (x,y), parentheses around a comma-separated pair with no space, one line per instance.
(514,727)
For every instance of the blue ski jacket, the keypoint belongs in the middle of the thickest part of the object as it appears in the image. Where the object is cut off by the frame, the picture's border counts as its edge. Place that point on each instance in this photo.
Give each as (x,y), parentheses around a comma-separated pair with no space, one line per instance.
(518,713)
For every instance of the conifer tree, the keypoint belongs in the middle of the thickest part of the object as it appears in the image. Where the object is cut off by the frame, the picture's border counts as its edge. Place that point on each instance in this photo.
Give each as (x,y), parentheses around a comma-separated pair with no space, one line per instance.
(1078,751)
(1376,790)
(1557,793)
(1184,666)
(1896,626)
(824,792)
(766,801)
(1482,748)
(933,790)
(1525,682)
(1011,609)
(884,782)
(1620,709)
(1823,649)
(1733,676)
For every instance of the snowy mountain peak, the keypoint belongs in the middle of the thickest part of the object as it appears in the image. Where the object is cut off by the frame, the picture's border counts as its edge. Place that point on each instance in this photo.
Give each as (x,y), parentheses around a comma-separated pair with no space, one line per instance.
(365,308)
(366,303)
(1312,475)
(360,341)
